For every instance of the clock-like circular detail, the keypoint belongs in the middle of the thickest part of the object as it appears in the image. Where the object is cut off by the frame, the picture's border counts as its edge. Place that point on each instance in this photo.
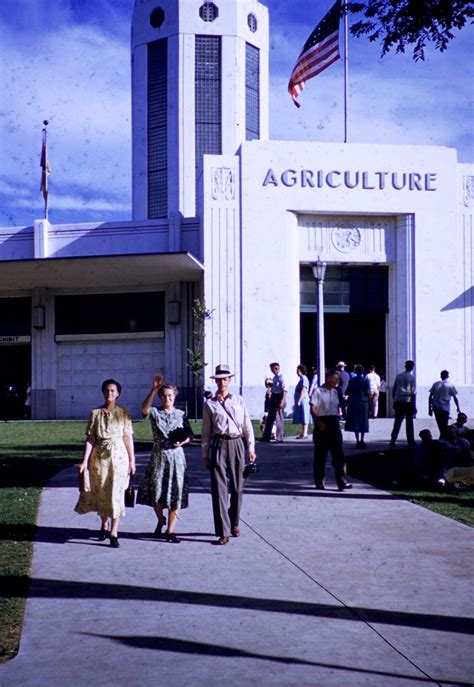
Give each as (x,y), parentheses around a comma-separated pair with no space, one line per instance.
(345,237)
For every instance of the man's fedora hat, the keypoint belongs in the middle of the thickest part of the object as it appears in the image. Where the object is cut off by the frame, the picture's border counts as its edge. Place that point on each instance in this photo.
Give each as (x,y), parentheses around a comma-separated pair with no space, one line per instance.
(341,363)
(222,371)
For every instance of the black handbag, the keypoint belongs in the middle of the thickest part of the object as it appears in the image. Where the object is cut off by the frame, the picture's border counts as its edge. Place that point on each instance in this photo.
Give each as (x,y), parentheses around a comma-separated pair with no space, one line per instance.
(130,494)
(178,435)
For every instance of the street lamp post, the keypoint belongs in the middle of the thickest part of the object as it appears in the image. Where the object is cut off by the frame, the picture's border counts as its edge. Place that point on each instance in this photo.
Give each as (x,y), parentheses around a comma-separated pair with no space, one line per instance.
(319,270)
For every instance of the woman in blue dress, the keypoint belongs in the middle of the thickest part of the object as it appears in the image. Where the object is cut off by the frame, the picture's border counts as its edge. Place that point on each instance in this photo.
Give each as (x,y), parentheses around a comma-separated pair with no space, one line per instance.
(165,484)
(357,419)
(301,408)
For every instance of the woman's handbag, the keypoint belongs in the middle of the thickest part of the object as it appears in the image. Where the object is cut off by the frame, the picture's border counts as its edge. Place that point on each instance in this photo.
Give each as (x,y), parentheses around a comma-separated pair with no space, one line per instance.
(178,435)
(130,494)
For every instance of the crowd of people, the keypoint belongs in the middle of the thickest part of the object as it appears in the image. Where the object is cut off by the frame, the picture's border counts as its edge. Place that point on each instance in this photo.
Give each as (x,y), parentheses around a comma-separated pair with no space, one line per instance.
(228,441)
(351,399)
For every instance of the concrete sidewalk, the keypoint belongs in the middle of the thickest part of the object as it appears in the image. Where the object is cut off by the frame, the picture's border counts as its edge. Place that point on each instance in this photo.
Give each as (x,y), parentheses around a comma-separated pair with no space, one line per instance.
(322,588)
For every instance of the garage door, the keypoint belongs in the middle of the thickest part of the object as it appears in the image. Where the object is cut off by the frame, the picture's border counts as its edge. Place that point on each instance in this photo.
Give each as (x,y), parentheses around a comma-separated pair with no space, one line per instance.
(82,367)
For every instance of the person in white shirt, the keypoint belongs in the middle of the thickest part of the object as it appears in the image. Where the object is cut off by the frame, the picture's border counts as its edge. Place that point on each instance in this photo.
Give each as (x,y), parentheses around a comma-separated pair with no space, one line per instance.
(404,403)
(226,431)
(374,391)
(325,403)
(439,401)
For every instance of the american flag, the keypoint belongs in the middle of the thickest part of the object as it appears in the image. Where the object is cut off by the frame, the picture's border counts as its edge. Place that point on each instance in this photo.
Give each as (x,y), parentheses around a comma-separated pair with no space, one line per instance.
(319,52)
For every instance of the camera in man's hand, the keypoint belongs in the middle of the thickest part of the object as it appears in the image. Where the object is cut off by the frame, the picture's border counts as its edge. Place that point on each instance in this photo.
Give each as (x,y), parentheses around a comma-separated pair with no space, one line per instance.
(250,469)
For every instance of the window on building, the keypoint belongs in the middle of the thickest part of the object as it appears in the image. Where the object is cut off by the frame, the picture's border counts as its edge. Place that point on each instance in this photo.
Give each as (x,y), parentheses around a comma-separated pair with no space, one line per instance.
(208,115)
(157,18)
(252,92)
(208,11)
(15,316)
(252,22)
(157,130)
(347,288)
(110,313)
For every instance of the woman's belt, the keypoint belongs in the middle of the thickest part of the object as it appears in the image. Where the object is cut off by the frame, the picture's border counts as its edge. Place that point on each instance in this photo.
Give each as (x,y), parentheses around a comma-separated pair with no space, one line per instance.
(104,446)
(228,437)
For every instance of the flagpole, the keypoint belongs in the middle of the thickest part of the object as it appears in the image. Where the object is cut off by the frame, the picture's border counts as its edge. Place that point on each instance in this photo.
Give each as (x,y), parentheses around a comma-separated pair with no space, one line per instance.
(45,133)
(346,76)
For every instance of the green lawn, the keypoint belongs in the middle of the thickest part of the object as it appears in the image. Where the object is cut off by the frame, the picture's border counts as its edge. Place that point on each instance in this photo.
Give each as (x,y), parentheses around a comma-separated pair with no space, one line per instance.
(31,452)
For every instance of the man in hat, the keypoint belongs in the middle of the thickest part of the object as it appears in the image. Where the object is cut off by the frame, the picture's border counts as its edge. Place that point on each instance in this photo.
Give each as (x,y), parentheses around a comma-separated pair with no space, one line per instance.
(343,376)
(226,432)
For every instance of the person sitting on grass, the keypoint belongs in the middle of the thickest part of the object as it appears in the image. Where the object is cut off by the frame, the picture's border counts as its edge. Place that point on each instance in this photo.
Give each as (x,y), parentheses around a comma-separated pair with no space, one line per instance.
(459,454)
(430,457)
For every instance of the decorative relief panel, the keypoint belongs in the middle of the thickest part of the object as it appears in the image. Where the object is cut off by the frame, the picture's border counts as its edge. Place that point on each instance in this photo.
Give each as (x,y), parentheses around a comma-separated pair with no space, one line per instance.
(468,191)
(346,239)
(222,183)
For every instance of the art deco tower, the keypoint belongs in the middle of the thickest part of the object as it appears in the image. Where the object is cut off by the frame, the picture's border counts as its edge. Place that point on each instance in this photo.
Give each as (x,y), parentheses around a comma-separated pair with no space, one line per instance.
(199,85)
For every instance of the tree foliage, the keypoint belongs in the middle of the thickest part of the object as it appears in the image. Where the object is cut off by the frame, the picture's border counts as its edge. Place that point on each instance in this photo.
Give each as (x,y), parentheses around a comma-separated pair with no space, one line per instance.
(402,23)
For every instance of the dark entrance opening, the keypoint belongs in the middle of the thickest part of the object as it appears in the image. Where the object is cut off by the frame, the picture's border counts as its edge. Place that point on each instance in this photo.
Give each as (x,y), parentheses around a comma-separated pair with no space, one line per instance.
(15,357)
(15,376)
(355,312)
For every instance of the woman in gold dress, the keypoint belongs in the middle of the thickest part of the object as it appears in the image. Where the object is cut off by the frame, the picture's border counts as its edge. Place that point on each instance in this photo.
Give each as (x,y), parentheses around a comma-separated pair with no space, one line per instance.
(107,461)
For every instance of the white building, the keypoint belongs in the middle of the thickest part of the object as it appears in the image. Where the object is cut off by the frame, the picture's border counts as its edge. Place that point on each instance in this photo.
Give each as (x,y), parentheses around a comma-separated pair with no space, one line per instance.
(224,214)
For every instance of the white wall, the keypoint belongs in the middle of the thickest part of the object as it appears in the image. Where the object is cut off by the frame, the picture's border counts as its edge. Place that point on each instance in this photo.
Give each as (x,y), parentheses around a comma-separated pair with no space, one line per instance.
(422,246)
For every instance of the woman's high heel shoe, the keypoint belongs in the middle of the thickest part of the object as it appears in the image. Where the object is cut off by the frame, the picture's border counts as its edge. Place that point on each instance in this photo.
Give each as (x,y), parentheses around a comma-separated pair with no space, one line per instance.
(104,534)
(159,527)
(172,538)
(114,542)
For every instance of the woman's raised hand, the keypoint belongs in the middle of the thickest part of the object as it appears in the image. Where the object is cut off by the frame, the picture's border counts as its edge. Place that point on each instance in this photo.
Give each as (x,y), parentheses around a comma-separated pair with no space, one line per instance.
(158,381)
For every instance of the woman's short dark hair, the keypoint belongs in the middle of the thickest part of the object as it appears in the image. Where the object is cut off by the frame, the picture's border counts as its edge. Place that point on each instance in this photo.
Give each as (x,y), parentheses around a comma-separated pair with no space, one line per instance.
(167,386)
(302,368)
(359,369)
(111,381)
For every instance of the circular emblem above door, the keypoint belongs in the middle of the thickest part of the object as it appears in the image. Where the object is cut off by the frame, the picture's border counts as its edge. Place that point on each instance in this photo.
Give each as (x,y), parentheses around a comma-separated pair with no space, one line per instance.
(345,237)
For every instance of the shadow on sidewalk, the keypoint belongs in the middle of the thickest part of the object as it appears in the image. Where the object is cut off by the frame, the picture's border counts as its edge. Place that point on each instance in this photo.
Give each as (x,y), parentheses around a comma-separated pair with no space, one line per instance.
(44,588)
(181,646)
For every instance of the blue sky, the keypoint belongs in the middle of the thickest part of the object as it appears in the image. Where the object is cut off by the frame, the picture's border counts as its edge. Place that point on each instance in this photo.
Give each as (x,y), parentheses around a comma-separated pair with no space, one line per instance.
(68,61)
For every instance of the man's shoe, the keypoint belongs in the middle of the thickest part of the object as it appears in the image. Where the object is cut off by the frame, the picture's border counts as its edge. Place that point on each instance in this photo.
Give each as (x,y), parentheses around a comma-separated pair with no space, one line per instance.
(392,444)
(320,486)
(343,487)
(235,532)
(223,540)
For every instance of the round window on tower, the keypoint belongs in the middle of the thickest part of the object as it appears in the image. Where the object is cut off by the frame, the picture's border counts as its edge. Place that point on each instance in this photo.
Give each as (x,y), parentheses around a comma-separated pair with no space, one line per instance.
(157,17)
(208,11)
(252,22)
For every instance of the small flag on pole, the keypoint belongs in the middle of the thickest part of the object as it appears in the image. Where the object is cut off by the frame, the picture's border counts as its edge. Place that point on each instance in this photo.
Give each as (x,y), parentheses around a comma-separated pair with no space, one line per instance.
(45,168)
(319,52)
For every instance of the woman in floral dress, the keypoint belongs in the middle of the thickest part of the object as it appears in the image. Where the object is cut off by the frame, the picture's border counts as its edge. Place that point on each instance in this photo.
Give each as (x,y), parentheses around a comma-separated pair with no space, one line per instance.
(107,461)
(165,484)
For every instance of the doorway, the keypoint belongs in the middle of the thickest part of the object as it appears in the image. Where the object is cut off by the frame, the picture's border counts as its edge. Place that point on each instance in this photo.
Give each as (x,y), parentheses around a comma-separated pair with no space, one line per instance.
(355,314)
(15,376)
